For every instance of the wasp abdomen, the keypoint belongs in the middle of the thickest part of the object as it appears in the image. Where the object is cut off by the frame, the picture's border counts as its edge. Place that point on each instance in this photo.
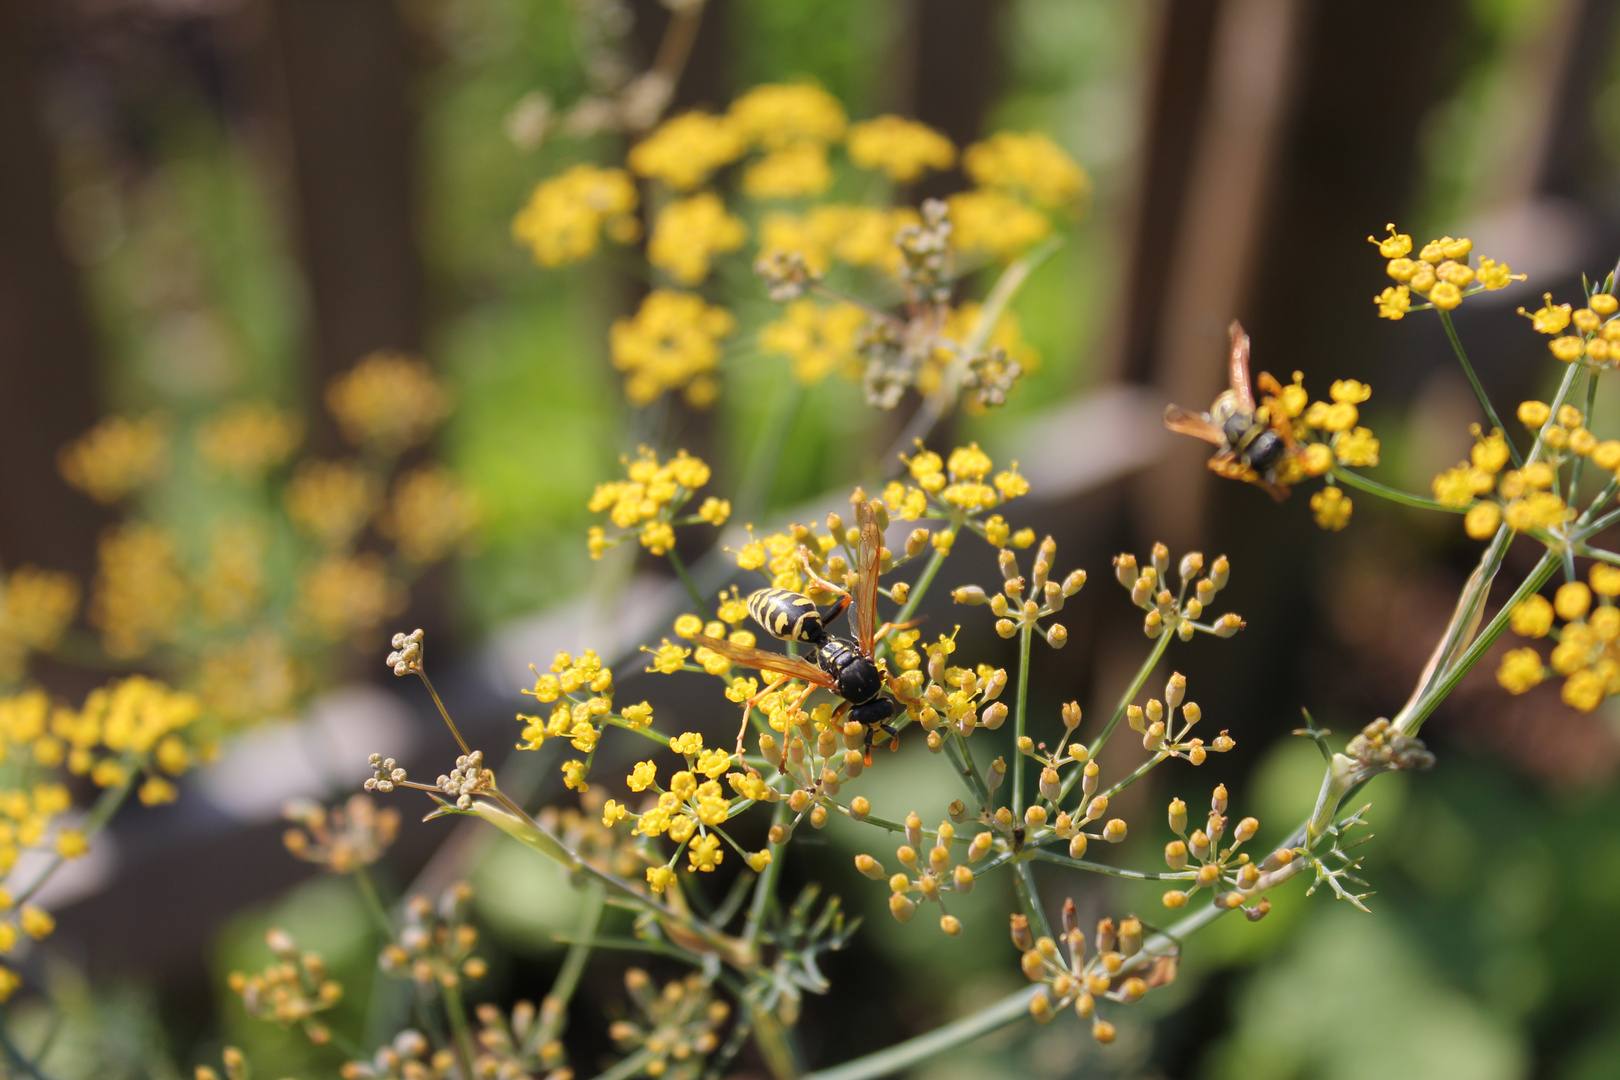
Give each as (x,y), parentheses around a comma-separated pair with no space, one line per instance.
(787,615)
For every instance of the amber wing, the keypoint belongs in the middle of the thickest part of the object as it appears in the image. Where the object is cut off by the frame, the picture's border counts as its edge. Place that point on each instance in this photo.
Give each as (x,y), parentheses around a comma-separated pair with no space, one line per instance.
(866,583)
(1198,425)
(1238,366)
(775,663)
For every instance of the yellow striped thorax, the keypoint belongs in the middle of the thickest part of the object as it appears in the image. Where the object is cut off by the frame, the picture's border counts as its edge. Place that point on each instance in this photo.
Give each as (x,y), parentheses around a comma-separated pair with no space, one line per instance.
(787,615)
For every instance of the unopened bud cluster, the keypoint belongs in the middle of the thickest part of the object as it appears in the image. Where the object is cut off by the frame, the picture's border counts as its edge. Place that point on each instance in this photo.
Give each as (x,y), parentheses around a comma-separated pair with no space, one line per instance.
(928,873)
(1234,878)
(407,1056)
(1114,970)
(467,779)
(679,1025)
(818,758)
(385,774)
(344,838)
(406,659)
(434,947)
(292,989)
(1156,723)
(1021,603)
(945,699)
(523,1044)
(1177,612)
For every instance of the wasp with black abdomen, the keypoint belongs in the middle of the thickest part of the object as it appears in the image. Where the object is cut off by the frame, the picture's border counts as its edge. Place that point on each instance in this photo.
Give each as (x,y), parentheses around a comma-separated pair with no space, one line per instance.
(1255,441)
(845,666)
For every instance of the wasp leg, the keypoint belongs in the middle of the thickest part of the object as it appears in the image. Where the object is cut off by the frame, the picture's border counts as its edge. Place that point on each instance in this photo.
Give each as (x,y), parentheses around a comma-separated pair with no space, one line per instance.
(890,627)
(748,708)
(823,583)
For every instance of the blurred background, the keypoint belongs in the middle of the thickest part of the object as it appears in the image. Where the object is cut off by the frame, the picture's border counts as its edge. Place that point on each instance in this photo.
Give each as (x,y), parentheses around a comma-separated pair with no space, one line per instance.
(206,199)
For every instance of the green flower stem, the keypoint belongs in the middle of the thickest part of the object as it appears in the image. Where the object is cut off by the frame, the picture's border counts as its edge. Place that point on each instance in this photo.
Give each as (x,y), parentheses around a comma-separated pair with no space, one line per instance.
(1142,673)
(765,887)
(100,814)
(902,1056)
(1473,380)
(956,748)
(1580,459)
(421,673)
(17,1058)
(1141,771)
(1384,491)
(1018,720)
(882,823)
(374,905)
(1112,871)
(1412,717)
(920,589)
(1598,554)
(456,1011)
(629,1067)
(645,731)
(1029,898)
(1600,502)
(679,564)
(554,1008)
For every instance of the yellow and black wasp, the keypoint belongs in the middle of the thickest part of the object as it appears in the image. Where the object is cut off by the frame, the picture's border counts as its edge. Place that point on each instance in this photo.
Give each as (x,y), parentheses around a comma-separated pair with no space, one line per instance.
(844,666)
(1254,442)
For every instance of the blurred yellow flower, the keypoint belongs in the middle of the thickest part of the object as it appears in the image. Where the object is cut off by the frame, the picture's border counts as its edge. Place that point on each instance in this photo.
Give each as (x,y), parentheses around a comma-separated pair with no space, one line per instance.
(817,337)
(1029,163)
(115,457)
(686,149)
(671,343)
(689,233)
(389,401)
(904,149)
(340,597)
(35,608)
(799,171)
(231,586)
(777,115)
(332,500)
(566,215)
(138,595)
(248,439)
(994,222)
(430,515)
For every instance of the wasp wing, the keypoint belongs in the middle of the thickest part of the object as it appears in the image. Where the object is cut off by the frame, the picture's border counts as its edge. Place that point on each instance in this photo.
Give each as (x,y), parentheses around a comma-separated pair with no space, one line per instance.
(775,663)
(866,582)
(1197,424)
(1238,367)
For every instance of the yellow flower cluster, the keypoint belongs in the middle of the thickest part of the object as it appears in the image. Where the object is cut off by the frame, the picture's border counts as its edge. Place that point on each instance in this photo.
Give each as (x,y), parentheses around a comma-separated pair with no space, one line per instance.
(956,485)
(243,681)
(1588,651)
(854,235)
(332,501)
(776,116)
(249,439)
(341,597)
(35,922)
(946,698)
(993,222)
(778,555)
(580,691)
(818,338)
(687,149)
(387,402)
(231,585)
(431,515)
(131,727)
(1596,342)
(647,500)
(671,343)
(566,215)
(116,457)
(903,149)
(1326,433)
(1524,499)
(799,171)
(929,875)
(139,595)
(689,233)
(1440,273)
(36,606)
(1029,164)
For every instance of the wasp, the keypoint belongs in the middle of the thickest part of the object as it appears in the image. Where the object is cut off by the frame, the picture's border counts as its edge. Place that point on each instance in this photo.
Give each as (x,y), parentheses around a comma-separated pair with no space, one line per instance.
(844,666)
(1253,442)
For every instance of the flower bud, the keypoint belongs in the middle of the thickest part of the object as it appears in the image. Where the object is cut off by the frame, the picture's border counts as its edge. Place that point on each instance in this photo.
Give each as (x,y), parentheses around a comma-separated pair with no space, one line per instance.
(1106,935)
(1074,582)
(818,816)
(995,684)
(1077,846)
(1130,937)
(939,859)
(902,907)
(957,810)
(1006,628)
(1142,592)
(968,594)
(1249,876)
(1175,689)
(1192,564)
(916,543)
(1219,572)
(1198,844)
(1008,564)
(1114,831)
(950,924)
(859,806)
(869,867)
(1227,625)
(1161,560)
(1034,816)
(980,845)
(1175,855)
(1191,713)
(962,878)
(913,829)
(1050,786)
(1071,715)
(993,715)
(779,834)
(1217,799)
(1229,900)
(1057,635)
(901,591)
(1174,899)
(997,773)
(1178,816)
(1125,569)
(1052,596)
(1153,625)
(1246,829)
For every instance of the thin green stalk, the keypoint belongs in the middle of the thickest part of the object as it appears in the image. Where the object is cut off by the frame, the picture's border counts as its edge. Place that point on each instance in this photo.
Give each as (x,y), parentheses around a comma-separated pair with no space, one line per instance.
(1141,771)
(1029,898)
(1580,460)
(1598,554)
(902,1056)
(679,564)
(1473,380)
(956,748)
(1412,718)
(1018,720)
(554,1009)
(1598,503)
(1112,871)
(765,887)
(629,1067)
(421,673)
(100,814)
(16,1056)
(374,904)
(1395,495)
(920,589)
(1142,673)
(461,1031)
